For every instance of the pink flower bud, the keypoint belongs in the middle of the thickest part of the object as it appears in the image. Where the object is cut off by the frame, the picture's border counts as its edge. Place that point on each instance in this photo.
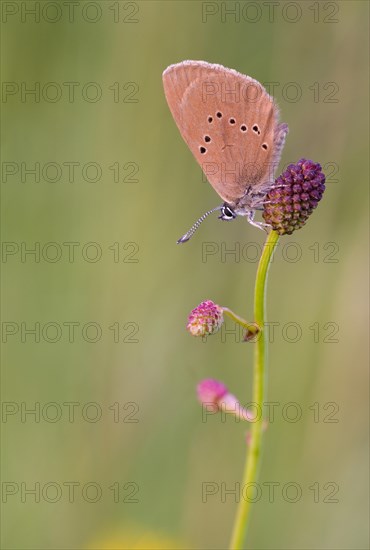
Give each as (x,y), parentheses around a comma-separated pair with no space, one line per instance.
(205,319)
(215,395)
(211,391)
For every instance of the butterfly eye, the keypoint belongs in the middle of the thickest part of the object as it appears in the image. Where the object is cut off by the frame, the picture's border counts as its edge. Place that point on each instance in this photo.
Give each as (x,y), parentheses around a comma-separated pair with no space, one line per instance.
(202,150)
(207,139)
(232,121)
(243,128)
(227,213)
(219,114)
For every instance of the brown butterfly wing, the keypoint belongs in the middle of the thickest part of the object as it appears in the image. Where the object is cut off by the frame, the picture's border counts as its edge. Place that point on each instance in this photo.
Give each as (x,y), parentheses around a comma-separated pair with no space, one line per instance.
(229,122)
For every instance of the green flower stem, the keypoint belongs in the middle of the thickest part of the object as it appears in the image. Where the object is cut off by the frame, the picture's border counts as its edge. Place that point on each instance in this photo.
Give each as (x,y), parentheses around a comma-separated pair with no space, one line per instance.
(254,451)
(252,328)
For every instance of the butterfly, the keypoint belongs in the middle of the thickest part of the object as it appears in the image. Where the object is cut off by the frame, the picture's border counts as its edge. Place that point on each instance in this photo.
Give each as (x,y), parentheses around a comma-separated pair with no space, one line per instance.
(231,125)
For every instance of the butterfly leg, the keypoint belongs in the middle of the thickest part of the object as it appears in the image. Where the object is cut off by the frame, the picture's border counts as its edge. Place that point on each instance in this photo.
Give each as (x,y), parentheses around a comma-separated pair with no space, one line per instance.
(260,225)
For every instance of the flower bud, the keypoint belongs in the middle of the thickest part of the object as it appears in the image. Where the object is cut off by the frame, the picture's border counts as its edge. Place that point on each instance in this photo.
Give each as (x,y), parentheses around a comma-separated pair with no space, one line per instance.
(205,319)
(215,395)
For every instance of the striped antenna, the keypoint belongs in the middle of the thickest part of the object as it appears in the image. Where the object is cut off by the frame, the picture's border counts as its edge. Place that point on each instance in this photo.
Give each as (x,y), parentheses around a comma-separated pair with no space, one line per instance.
(193,229)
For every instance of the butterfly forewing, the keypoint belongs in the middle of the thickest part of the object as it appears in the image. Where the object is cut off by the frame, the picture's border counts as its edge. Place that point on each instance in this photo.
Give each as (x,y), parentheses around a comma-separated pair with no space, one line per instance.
(230,124)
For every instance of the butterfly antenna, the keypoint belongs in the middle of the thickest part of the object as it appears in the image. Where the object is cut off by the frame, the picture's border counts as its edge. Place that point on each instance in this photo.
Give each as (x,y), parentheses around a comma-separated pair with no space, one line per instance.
(193,229)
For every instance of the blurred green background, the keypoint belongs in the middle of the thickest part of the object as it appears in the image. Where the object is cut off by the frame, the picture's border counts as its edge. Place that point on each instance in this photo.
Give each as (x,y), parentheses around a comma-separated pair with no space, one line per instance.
(136,278)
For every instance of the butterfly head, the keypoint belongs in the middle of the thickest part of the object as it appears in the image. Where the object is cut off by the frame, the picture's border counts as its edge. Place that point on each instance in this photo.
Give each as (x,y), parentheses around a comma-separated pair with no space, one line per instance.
(227,213)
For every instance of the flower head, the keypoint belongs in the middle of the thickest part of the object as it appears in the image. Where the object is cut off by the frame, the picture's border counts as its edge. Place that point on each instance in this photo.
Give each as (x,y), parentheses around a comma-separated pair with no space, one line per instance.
(294,196)
(211,391)
(215,397)
(205,319)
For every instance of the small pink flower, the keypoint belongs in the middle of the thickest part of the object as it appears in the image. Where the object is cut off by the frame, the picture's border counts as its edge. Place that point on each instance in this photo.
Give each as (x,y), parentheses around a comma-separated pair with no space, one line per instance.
(205,319)
(214,395)
(211,391)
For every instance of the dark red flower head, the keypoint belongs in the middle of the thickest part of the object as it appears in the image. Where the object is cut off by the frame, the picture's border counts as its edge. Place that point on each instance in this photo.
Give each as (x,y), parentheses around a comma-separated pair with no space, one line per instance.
(294,196)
